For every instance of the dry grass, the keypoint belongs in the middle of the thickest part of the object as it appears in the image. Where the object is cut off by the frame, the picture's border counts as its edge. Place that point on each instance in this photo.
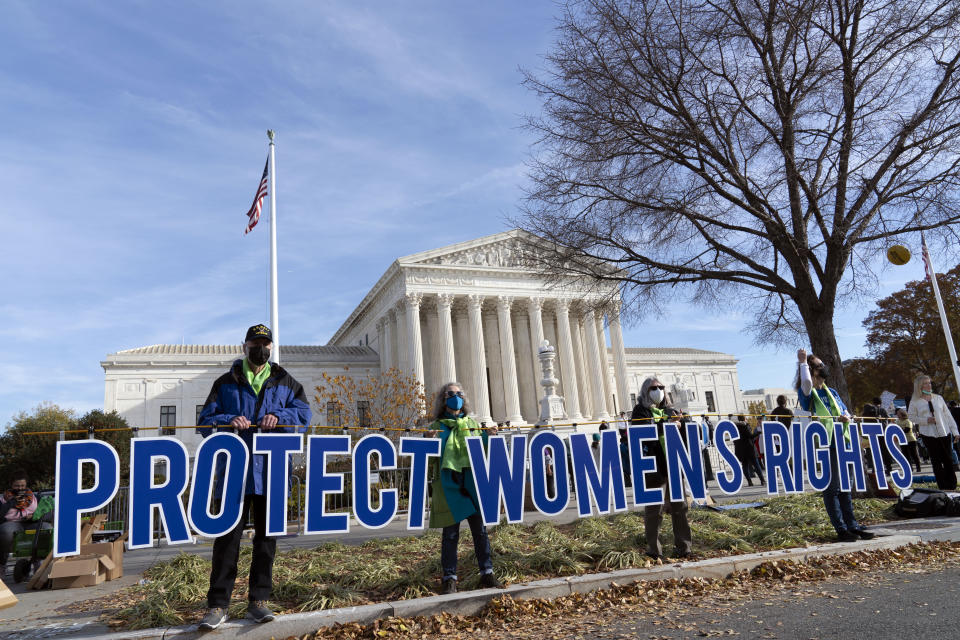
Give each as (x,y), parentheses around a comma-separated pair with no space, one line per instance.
(333,575)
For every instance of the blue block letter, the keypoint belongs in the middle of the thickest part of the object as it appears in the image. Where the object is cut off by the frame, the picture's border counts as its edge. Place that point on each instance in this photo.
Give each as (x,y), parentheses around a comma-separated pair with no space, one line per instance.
(145,495)
(604,484)
(641,465)
(874,432)
(895,438)
(419,449)
(362,461)
(776,456)
(684,462)
(502,478)
(231,449)
(72,499)
(538,473)
(849,457)
(278,447)
(817,453)
(732,481)
(320,483)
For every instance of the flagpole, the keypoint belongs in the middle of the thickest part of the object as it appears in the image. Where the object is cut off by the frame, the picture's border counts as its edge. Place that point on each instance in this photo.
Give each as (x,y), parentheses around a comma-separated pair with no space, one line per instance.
(274,313)
(943,314)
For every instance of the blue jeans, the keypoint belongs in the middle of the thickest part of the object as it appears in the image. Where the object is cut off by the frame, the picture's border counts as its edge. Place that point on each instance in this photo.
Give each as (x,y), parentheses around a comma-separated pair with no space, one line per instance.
(839,504)
(481,547)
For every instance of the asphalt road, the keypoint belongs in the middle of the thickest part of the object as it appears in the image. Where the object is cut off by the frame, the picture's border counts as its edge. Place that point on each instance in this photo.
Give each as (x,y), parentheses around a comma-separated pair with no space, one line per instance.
(887,605)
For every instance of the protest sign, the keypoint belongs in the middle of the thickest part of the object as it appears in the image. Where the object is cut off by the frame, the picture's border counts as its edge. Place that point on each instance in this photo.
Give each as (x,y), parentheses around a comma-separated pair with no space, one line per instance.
(503,472)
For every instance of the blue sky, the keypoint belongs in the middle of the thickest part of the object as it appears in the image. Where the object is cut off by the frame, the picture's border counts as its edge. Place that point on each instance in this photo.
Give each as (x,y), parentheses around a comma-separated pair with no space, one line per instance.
(133,138)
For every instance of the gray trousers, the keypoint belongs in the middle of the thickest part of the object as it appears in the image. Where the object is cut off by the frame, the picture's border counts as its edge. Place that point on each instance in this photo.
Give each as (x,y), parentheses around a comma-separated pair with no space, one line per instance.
(8,530)
(653,517)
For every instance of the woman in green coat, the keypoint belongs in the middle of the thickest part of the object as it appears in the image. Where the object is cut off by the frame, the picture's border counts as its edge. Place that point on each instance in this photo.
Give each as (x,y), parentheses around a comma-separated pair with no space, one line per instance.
(454,494)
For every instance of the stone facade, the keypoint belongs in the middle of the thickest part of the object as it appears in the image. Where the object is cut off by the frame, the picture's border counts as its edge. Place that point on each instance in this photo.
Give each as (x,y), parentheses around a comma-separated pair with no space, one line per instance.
(473,312)
(150,386)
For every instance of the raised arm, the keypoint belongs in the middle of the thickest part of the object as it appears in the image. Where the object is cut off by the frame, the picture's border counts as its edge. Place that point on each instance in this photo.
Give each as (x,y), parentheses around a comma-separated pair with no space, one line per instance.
(806,382)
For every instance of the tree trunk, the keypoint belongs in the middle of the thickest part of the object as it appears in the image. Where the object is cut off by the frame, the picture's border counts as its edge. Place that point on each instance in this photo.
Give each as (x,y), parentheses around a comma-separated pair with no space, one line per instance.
(823,341)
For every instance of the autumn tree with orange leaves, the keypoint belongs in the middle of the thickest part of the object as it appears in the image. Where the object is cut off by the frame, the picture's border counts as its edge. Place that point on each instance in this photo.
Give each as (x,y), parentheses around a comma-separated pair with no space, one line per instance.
(392,401)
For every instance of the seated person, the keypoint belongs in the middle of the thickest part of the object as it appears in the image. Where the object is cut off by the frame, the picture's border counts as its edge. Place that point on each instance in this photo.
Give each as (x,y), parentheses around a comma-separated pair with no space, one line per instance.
(16,514)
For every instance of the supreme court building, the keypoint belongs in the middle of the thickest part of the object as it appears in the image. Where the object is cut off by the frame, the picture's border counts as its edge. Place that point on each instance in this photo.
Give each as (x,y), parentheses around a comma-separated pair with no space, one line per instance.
(471,312)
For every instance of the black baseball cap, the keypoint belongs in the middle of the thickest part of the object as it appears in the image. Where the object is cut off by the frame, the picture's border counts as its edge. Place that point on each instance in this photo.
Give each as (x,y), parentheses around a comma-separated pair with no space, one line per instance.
(258,331)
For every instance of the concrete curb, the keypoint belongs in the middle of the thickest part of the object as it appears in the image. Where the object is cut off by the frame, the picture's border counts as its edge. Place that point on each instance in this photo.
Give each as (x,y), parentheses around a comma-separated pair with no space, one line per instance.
(471,602)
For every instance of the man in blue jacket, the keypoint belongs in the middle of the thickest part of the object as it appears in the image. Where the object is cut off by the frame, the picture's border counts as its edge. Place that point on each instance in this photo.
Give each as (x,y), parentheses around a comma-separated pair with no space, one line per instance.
(254,396)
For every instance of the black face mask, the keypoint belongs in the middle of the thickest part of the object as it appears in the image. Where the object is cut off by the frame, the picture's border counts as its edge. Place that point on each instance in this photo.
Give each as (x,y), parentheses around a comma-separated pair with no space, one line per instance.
(258,355)
(823,371)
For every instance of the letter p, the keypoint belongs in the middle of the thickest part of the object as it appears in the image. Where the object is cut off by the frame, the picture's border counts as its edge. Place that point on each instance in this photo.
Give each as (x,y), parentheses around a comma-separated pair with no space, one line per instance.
(72,500)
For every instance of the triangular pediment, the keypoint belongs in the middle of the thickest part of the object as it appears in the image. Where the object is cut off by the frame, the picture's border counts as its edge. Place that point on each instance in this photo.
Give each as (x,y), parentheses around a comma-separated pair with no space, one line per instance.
(505,250)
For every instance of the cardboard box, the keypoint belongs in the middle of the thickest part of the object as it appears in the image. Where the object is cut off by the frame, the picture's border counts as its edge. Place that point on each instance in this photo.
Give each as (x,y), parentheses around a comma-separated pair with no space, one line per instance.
(113,550)
(84,570)
(7,599)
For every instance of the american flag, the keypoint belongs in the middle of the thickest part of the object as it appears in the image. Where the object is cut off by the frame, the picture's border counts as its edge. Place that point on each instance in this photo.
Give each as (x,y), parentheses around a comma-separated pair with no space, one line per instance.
(254,214)
(927,264)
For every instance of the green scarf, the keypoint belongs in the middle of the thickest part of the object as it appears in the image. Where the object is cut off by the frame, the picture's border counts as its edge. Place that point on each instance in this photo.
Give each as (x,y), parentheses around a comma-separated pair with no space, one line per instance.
(256,380)
(821,411)
(658,415)
(455,456)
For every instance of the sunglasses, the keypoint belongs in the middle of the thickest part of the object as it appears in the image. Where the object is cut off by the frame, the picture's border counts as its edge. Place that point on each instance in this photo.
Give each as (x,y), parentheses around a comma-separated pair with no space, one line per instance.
(657,386)
(454,394)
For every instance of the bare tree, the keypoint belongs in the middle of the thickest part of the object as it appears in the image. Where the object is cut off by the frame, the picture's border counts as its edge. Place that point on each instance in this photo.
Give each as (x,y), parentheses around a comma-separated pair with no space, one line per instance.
(762,151)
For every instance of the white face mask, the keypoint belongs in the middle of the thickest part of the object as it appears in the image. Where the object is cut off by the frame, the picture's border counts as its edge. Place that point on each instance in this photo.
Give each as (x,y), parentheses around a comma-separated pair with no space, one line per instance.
(656,396)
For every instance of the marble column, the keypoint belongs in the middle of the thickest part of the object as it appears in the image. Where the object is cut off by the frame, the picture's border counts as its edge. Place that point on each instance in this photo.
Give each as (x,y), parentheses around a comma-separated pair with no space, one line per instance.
(619,360)
(481,395)
(596,372)
(571,395)
(605,365)
(403,349)
(432,347)
(584,380)
(392,331)
(382,344)
(526,375)
(535,311)
(462,348)
(491,341)
(414,342)
(511,391)
(446,353)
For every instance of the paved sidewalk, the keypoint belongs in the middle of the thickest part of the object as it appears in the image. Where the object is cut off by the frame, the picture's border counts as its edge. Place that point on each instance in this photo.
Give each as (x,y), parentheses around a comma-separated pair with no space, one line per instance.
(46,614)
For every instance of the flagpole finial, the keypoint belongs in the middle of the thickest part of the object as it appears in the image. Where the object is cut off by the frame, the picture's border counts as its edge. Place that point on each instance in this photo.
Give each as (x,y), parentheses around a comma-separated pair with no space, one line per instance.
(271,134)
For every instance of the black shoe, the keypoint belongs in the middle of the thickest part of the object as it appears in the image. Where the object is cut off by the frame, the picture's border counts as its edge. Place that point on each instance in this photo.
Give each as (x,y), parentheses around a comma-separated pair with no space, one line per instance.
(653,556)
(449,586)
(257,610)
(847,536)
(214,618)
(489,581)
(686,555)
(863,534)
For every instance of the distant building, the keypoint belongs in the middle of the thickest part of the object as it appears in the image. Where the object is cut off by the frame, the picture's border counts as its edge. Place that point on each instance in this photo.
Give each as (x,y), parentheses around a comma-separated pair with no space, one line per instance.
(473,312)
(166,385)
(768,396)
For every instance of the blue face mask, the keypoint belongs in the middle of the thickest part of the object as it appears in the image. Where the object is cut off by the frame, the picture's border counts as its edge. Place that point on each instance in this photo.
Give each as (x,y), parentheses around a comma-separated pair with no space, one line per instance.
(455,403)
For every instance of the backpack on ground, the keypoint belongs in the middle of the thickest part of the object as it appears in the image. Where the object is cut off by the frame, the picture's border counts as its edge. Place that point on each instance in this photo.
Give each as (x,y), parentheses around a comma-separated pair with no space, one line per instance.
(922,503)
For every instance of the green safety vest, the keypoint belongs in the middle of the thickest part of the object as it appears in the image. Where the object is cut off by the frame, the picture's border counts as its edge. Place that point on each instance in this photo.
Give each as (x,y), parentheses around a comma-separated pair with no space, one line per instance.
(824,414)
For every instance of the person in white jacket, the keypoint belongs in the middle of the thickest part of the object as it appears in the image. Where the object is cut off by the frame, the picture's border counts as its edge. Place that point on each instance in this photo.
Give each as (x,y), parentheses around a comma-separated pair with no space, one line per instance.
(931,416)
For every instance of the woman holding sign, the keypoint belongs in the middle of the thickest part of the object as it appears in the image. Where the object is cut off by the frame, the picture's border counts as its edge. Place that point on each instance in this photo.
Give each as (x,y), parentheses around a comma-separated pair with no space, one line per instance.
(454,496)
(654,408)
(824,405)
